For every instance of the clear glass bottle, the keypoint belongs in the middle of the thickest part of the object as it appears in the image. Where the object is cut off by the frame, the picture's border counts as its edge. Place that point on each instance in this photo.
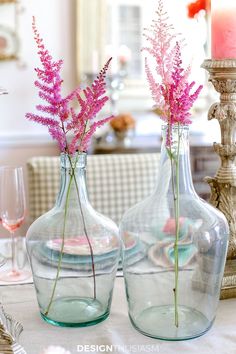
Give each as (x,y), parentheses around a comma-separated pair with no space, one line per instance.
(173,286)
(74,252)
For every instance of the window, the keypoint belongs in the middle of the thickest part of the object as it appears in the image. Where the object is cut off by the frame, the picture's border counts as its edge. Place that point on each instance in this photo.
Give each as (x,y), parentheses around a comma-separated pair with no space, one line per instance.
(119,27)
(125,33)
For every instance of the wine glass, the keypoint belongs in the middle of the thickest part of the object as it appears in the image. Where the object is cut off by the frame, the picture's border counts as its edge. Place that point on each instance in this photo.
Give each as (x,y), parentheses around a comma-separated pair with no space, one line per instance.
(12,213)
(2,257)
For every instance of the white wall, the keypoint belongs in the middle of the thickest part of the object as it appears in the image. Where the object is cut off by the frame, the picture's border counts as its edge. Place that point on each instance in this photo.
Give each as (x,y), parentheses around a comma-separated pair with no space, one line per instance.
(56,23)
(19,138)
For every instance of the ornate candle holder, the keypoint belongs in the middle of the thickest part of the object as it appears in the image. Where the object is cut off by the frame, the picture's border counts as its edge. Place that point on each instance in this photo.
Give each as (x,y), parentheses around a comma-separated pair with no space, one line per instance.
(223,185)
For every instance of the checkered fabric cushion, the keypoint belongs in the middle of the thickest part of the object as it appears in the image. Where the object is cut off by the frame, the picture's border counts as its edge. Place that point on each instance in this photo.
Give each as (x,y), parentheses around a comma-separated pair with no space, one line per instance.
(114,182)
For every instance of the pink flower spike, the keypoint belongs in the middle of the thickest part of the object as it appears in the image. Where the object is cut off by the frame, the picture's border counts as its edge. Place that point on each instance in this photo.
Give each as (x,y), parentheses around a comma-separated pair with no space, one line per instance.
(42,120)
(58,113)
(170,90)
(87,137)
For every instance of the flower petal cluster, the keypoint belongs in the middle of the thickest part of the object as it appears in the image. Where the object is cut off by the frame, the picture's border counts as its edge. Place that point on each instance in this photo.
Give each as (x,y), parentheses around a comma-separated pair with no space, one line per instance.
(172,92)
(58,113)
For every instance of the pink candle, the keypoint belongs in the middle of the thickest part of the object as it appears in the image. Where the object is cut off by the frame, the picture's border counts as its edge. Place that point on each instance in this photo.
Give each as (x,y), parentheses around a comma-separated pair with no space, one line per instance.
(223,29)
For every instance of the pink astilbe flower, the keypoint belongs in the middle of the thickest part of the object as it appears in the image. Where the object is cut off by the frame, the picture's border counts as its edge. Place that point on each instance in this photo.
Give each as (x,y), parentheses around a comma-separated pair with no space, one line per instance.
(87,137)
(180,97)
(58,114)
(91,101)
(161,36)
(171,90)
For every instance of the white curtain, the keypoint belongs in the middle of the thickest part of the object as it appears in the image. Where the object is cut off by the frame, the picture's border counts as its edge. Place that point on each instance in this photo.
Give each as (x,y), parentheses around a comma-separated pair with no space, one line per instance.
(91,35)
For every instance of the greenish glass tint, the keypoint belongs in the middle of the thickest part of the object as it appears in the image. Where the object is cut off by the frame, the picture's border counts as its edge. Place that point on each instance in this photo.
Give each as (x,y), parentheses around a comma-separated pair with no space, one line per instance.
(149,265)
(74,253)
(89,311)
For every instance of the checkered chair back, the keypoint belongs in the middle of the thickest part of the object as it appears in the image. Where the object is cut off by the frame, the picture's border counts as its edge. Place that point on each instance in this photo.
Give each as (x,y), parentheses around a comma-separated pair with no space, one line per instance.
(114,182)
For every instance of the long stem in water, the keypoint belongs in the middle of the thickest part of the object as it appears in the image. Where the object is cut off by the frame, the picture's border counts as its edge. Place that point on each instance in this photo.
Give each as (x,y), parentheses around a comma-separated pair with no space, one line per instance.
(86,232)
(62,247)
(177,229)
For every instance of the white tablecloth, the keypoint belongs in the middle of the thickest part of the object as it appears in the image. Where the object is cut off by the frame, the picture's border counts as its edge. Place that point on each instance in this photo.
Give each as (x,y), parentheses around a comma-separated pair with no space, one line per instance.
(20,302)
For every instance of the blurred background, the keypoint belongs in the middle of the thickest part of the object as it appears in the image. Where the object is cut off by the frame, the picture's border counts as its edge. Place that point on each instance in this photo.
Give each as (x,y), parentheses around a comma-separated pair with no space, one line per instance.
(85,33)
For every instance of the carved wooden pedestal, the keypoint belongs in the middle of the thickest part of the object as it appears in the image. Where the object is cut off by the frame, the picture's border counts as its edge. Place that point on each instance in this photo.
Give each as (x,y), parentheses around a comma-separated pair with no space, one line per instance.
(223,185)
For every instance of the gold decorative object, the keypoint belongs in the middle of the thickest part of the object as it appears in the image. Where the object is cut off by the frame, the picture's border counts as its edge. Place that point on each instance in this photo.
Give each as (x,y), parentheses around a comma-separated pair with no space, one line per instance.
(223,184)
(5,341)
(7,1)
(10,331)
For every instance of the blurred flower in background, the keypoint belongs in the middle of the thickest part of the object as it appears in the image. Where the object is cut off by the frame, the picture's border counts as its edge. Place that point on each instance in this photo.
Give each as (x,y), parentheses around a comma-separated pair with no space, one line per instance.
(195,7)
(122,122)
(123,126)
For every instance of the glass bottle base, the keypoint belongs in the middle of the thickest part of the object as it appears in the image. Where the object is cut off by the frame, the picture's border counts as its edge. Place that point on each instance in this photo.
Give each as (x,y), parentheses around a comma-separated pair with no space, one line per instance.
(159,322)
(75,312)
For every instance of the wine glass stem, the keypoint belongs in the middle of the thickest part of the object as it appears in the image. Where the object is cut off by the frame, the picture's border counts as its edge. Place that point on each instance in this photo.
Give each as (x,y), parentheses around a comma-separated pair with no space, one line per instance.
(13,251)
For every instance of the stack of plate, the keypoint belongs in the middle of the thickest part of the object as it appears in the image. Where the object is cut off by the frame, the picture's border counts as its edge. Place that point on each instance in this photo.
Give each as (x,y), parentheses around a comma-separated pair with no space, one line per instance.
(77,253)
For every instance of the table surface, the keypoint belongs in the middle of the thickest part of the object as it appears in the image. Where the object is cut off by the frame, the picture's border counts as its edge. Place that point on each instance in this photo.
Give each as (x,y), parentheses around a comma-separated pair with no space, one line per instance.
(20,302)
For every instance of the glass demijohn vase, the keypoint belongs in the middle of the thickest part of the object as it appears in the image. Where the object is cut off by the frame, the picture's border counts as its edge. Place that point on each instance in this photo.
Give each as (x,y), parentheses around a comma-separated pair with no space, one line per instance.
(165,277)
(74,253)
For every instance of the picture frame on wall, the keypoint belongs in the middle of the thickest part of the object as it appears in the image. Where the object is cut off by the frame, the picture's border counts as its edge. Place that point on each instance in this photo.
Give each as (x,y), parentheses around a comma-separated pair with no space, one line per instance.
(9,43)
(9,38)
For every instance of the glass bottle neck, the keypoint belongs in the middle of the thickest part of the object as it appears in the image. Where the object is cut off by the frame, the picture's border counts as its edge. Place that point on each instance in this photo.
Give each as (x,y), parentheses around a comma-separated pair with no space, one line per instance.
(73,181)
(175,158)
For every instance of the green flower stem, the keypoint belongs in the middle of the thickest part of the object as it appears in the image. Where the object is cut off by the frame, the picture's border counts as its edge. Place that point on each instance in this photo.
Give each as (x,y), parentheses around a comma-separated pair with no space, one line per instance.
(62,247)
(177,229)
(174,160)
(86,233)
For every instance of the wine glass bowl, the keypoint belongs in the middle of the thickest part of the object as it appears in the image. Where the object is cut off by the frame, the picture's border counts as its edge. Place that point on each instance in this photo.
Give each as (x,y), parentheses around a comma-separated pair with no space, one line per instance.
(12,225)
(12,214)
